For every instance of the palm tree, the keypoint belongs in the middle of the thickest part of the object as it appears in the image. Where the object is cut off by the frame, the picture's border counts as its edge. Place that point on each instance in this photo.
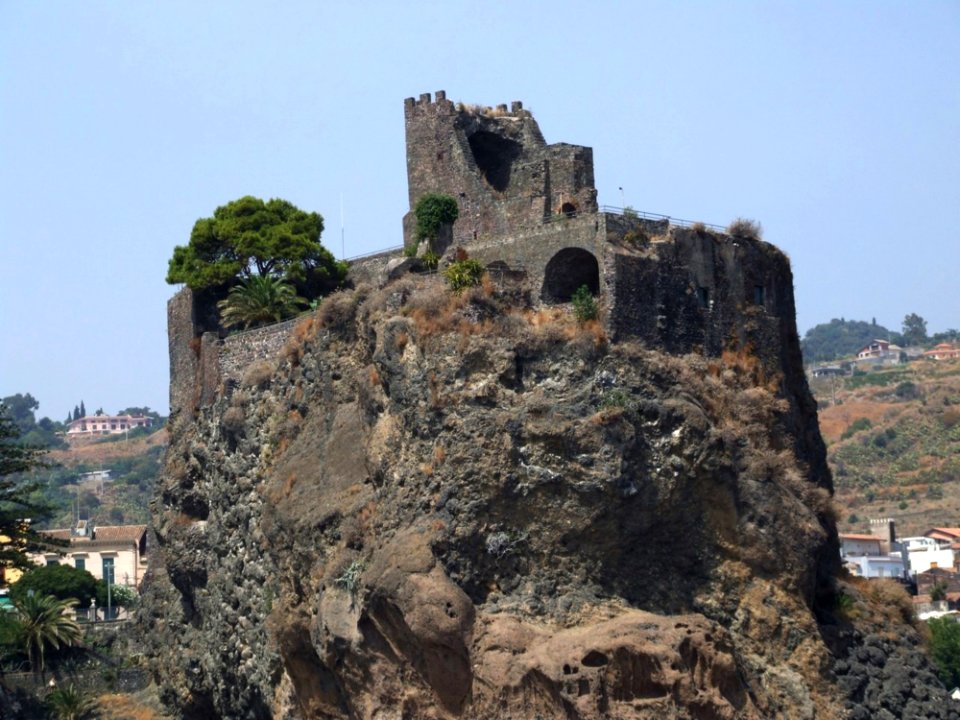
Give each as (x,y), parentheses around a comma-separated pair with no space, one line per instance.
(44,625)
(258,300)
(71,703)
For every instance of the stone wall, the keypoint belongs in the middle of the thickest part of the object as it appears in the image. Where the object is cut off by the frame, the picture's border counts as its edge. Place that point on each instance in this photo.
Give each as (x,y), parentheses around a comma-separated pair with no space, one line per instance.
(369,268)
(239,350)
(496,163)
(181,334)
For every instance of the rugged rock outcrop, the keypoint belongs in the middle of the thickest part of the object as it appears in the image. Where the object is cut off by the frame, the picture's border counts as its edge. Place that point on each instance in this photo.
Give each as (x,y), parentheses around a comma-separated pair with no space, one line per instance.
(437,506)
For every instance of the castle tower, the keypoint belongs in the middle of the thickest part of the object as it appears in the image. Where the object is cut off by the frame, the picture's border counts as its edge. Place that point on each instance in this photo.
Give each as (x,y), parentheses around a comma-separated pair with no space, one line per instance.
(495,162)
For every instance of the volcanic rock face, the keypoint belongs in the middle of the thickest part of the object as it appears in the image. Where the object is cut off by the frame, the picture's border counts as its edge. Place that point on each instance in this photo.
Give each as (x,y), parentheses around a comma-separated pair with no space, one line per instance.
(437,506)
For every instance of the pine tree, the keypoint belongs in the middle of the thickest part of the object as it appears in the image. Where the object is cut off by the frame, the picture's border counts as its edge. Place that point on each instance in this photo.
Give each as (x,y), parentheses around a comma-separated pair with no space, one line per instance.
(83,410)
(76,412)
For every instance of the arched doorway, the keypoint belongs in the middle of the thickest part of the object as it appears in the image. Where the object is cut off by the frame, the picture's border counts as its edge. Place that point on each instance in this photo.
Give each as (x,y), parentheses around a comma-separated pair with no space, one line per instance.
(568,209)
(567,272)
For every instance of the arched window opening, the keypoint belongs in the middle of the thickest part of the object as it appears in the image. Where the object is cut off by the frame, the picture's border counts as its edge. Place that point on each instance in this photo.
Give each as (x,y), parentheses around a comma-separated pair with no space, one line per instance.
(568,209)
(568,271)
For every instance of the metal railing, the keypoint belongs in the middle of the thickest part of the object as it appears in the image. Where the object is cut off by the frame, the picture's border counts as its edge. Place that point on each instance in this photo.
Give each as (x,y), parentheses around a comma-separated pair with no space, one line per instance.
(630,212)
(395,248)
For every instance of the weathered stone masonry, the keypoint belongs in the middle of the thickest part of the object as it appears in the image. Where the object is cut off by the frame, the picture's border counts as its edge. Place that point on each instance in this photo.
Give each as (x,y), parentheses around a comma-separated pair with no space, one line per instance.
(531,208)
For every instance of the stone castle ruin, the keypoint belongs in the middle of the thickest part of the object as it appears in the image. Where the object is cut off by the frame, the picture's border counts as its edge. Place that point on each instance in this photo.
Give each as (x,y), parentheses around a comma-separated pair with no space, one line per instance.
(529,210)
(532,207)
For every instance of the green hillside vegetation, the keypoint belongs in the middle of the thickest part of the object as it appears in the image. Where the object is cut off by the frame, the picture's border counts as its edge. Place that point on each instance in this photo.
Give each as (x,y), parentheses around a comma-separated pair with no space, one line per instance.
(134,460)
(893,441)
(123,499)
(839,339)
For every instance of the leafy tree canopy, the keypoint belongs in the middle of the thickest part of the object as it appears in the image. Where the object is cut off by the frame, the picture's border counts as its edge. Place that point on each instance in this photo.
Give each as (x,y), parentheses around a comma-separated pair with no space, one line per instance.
(945,649)
(43,433)
(63,582)
(432,211)
(249,237)
(20,506)
(20,408)
(914,329)
(839,338)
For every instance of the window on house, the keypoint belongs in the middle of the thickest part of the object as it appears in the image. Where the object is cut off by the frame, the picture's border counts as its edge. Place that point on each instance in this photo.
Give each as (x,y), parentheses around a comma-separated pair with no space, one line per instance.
(80,563)
(758,295)
(108,570)
(53,561)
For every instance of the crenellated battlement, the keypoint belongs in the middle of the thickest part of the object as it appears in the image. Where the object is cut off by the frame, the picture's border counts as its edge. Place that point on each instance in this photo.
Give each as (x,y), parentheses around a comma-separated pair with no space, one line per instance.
(531,209)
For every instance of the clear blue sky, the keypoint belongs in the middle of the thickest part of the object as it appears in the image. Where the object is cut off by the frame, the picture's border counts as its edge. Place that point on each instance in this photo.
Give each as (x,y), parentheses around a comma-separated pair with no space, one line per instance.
(836,125)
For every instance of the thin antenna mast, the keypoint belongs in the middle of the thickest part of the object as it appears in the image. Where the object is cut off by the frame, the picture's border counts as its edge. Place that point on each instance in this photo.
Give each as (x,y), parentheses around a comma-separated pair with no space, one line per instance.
(343,254)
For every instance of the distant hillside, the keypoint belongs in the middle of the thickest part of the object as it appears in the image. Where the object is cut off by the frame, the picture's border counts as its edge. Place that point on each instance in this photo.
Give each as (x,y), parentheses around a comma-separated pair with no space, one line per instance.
(840,338)
(134,466)
(893,442)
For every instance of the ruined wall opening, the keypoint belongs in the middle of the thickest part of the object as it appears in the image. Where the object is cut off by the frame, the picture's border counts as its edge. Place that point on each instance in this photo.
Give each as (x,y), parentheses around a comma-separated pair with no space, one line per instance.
(568,209)
(495,156)
(567,271)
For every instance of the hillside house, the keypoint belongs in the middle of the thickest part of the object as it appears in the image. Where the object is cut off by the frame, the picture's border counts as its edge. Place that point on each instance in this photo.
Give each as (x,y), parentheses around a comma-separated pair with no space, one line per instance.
(943,351)
(872,556)
(107,424)
(117,551)
(925,553)
(878,354)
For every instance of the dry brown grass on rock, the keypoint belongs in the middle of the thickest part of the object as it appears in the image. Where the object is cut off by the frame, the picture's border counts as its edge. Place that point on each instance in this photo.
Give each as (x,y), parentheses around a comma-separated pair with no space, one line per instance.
(338,311)
(745,228)
(258,374)
(233,420)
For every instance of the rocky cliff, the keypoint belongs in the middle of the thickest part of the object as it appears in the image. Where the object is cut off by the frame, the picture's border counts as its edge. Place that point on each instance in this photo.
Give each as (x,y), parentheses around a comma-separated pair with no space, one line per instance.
(440,506)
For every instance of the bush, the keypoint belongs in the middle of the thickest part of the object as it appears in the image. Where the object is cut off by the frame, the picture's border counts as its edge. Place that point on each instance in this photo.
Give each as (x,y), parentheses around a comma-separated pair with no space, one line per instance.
(63,582)
(744,228)
(120,595)
(433,211)
(258,374)
(855,427)
(907,390)
(464,274)
(945,649)
(584,305)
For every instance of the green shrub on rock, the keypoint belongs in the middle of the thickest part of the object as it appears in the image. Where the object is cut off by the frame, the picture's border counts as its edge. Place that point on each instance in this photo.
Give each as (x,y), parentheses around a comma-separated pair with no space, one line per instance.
(584,305)
(464,274)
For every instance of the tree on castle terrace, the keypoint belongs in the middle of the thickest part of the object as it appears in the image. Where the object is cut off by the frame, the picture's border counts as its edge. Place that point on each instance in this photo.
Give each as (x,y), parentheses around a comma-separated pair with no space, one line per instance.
(251,237)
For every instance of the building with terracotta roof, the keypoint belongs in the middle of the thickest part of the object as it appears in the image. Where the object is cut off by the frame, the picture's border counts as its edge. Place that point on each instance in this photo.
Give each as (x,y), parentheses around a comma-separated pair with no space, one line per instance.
(943,351)
(874,555)
(107,424)
(115,551)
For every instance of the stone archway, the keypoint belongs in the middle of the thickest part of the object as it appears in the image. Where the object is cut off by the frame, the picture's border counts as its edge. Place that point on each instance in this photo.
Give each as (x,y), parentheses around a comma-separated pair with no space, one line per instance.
(567,272)
(568,209)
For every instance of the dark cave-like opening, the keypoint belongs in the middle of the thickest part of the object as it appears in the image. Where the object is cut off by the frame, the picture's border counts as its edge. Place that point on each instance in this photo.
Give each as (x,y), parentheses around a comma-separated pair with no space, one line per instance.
(495,156)
(567,272)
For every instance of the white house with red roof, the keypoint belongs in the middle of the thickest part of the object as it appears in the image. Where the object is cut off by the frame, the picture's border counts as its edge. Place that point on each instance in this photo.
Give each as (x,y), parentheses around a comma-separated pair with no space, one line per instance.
(107,424)
(117,551)
(943,351)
